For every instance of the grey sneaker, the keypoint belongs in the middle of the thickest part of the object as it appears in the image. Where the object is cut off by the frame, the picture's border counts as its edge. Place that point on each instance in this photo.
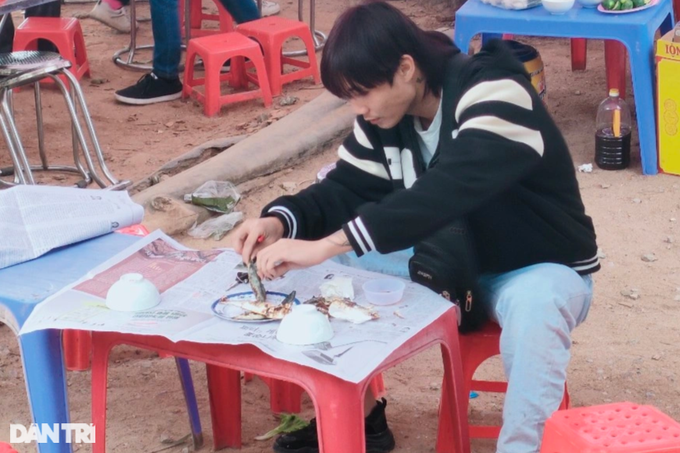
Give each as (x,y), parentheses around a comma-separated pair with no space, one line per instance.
(118,19)
(270,8)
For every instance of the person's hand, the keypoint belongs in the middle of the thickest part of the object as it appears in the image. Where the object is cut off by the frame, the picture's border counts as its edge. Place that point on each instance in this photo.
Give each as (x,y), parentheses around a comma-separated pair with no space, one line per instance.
(288,254)
(255,234)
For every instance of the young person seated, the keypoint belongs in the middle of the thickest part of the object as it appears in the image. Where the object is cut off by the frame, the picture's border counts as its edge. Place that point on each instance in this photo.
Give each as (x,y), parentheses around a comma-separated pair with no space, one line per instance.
(440,137)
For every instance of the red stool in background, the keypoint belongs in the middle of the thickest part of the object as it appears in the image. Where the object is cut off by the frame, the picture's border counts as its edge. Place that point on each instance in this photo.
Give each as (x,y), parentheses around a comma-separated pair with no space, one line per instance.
(614,57)
(272,33)
(475,349)
(611,428)
(6,448)
(215,50)
(226,22)
(66,35)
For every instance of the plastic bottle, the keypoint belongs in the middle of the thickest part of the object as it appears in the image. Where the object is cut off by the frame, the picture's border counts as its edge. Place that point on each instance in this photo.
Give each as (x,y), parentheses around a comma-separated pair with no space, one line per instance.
(612,136)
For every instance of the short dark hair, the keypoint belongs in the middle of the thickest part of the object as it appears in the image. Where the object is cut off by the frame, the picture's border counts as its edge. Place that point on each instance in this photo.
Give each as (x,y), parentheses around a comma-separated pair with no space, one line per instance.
(366,44)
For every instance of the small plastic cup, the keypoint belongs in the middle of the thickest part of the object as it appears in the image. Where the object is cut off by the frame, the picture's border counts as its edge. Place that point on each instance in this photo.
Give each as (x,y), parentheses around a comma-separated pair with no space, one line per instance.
(384,291)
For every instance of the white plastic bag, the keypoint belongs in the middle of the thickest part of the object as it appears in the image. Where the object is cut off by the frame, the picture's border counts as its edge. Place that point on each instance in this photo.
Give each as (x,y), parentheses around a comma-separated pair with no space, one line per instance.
(216,227)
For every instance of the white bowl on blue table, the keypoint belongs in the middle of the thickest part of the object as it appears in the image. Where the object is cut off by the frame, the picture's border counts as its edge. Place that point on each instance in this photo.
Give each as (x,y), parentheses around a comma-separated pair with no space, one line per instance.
(558,6)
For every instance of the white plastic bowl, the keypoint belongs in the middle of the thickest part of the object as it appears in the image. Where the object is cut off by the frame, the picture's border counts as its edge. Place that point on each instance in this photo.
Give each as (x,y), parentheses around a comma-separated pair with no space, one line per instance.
(304,325)
(558,6)
(132,293)
(384,291)
(590,3)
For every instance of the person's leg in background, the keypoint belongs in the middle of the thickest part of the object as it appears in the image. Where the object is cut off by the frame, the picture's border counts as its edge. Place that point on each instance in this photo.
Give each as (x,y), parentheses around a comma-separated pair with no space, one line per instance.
(241,10)
(537,308)
(114,13)
(162,84)
(52,9)
(7,35)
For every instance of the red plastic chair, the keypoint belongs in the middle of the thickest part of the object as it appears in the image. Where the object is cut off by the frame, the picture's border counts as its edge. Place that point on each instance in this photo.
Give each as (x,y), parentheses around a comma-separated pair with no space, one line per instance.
(338,403)
(215,50)
(64,33)
(197,16)
(6,448)
(611,428)
(476,348)
(272,33)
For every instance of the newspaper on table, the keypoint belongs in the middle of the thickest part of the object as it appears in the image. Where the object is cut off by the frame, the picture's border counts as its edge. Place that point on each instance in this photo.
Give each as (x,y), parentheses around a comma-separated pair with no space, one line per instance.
(191,281)
(37,219)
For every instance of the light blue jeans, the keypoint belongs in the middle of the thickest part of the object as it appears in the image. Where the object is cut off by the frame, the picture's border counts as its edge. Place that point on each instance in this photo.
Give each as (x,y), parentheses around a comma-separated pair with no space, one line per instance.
(538,307)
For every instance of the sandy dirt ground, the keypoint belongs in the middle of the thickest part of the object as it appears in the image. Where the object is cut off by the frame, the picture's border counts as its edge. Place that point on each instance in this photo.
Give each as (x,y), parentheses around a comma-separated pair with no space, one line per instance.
(627,349)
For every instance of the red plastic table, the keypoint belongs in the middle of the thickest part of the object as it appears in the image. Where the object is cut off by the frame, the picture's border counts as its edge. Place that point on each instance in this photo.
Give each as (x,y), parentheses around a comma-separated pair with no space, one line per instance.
(338,403)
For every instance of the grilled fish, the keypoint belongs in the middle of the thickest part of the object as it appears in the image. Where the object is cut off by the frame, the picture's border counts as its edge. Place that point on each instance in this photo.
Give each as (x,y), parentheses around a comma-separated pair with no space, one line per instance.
(256,283)
(343,308)
(263,309)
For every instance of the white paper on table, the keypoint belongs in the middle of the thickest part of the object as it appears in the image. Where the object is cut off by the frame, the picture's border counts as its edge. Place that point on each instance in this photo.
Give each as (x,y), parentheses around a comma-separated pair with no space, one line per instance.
(37,219)
(190,281)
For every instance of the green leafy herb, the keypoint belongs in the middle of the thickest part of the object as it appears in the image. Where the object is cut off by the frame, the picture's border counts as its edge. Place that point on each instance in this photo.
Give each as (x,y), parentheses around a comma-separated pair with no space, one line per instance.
(289,423)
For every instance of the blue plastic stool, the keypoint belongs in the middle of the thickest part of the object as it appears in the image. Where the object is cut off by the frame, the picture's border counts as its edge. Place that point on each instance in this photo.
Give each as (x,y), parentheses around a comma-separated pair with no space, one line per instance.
(635,31)
(25,285)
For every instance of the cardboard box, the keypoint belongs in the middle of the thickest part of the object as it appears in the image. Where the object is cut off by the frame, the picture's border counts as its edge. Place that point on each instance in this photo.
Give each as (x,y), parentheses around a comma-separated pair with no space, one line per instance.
(668,103)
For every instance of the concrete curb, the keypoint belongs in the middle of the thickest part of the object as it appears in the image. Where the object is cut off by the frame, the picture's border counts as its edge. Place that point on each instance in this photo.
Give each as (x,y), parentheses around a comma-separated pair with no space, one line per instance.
(303,133)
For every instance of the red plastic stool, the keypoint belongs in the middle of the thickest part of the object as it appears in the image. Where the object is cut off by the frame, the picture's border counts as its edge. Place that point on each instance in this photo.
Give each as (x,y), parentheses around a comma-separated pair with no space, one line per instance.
(215,50)
(272,33)
(197,16)
(611,428)
(65,33)
(475,349)
(6,448)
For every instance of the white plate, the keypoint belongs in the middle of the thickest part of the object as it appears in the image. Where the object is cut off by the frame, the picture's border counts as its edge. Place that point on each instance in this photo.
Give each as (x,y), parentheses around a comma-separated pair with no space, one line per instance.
(601,9)
(228,312)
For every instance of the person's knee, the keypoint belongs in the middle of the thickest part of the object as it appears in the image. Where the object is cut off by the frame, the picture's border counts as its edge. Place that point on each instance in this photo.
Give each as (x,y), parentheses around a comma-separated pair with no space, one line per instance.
(543,293)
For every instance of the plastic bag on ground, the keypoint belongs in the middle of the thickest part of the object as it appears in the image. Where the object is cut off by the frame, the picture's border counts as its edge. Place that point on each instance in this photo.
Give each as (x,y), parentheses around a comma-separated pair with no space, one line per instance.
(216,227)
(217,196)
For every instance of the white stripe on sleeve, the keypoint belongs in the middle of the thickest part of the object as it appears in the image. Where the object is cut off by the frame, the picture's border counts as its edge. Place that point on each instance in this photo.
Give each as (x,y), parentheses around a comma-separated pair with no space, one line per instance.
(496,90)
(357,237)
(360,224)
(506,129)
(373,168)
(290,219)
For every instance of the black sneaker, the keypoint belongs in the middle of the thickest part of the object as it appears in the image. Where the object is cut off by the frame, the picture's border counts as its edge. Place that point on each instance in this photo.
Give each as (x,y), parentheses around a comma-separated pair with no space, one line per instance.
(150,89)
(379,438)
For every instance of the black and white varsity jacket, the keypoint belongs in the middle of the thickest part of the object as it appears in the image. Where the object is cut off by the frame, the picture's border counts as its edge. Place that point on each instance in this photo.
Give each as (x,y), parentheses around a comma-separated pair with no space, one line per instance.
(501,163)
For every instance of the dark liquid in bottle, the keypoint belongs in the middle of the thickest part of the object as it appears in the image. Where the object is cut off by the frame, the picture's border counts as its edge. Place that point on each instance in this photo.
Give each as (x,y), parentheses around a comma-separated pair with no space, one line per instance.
(612,153)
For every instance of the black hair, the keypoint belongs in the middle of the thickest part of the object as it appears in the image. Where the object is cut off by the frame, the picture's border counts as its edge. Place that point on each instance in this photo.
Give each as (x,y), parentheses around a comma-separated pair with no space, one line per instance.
(365,47)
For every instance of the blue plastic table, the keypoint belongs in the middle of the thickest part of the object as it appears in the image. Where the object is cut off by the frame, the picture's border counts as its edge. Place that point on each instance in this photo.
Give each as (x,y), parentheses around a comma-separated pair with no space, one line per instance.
(634,30)
(24,286)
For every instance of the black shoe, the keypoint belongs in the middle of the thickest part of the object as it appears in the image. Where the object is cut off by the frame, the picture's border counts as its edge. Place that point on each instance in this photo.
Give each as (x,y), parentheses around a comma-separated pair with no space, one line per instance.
(379,438)
(150,89)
